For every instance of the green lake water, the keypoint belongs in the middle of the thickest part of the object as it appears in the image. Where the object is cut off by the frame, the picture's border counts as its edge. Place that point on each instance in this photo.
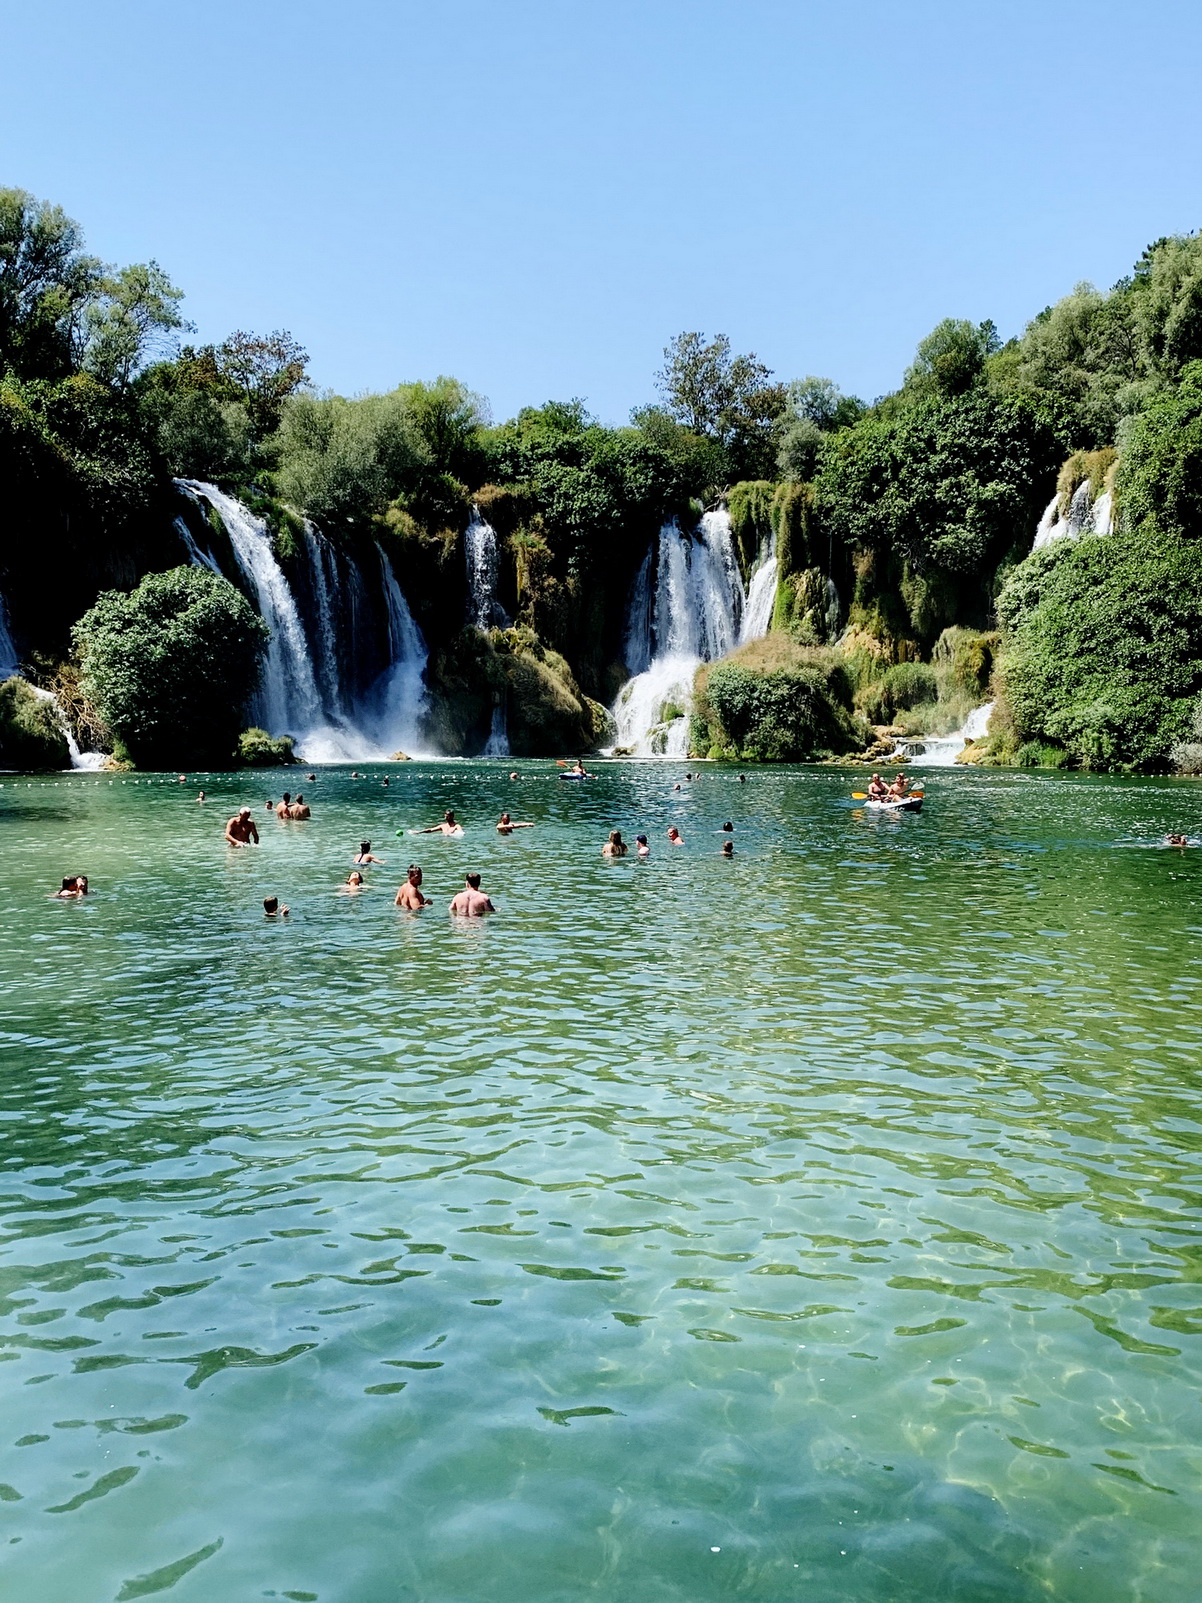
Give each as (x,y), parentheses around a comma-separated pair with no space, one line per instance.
(820,1225)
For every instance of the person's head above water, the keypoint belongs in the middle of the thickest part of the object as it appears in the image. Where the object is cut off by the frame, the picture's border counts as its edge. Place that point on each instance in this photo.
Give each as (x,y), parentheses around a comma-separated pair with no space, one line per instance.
(448,817)
(415,874)
(673,832)
(364,846)
(287,797)
(640,840)
(615,837)
(244,812)
(472,881)
(728,848)
(354,877)
(271,904)
(727,827)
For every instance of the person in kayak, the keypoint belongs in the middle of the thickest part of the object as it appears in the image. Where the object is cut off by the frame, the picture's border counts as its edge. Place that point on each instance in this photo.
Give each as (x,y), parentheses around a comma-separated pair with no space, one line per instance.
(899,789)
(877,788)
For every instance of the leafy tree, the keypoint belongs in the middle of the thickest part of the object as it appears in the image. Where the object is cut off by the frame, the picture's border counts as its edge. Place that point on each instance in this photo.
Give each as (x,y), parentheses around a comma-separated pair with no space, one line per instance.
(30,737)
(1160,473)
(815,407)
(134,309)
(170,665)
(261,371)
(343,461)
(952,357)
(46,284)
(723,397)
(447,419)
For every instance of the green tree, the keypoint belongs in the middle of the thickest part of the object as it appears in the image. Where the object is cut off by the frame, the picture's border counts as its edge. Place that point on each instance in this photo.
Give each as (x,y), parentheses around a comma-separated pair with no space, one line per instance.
(952,357)
(260,371)
(1160,472)
(343,461)
(46,284)
(815,407)
(134,309)
(170,665)
(723,397)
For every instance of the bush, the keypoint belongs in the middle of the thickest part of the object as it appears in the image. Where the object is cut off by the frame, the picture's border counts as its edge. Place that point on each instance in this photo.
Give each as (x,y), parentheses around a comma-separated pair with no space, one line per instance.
(1160,476)
(258,749)
(169,666)
(1103,653)
(30,736)
(775,701)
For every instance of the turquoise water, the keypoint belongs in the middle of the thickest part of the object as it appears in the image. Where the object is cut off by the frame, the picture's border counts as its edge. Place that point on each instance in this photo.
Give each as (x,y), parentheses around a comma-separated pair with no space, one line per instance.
(820,1225)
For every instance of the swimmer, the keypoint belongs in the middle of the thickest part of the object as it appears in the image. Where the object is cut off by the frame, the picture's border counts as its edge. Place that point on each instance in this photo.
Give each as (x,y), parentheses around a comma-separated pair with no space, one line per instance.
(506,825)
(1176,840)
(282,810)
(352,883)
(615,846)
(675,837)
(643,849)
(72,888)
(300,809)
(312,778)
(384,782)
(877,789)
(201,798)
(727,828)
(676,786)
(514,775)
(365,855)
(182,780)
(272,908)
(355,775)
(240,830)
(447,827)
(728,848)
(410,893)
(471,901)
(269,805)
(742,779)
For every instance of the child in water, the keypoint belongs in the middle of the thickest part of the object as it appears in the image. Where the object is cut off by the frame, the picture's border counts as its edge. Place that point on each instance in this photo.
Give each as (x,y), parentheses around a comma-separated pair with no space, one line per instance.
(272,908)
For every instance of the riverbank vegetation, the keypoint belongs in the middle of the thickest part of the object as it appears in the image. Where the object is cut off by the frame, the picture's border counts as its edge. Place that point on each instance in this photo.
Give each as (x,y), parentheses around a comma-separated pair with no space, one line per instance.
(907,590)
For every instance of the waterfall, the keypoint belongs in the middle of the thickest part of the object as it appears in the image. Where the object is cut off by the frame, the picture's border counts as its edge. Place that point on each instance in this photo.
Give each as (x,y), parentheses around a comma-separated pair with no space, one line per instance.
(1084,516)
(399,696)
(941,751)
(197,557)
(480,555)
(89,761)
(761,596)
(323,570)
(9,660)
(692,614)
(497,744)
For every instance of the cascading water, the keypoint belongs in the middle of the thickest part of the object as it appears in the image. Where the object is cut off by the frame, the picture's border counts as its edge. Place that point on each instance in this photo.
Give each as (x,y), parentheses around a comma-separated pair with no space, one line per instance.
(1084,516)
(693,613)
(761,596)
(197,557)
(941,751)
(9,661)
(400,696)
(480,556)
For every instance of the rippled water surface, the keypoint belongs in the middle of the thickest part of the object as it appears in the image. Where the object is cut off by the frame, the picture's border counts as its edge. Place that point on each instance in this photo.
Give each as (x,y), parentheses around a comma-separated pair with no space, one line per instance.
(820,1225)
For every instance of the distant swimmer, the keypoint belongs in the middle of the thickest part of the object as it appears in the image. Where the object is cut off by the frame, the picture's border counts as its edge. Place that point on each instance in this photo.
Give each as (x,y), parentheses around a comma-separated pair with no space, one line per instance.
(355,774)
(514,775)
(877,788)
(507,825)
(674,836)
(640,842)
(72,888)
(365,855)
(728,848)
(312,778)
(384,785)
(471,901)
(742,779)
(1176,840)
(272,908)
(240,830)
(447,827)
(410,893)
(282,810)
(201,798)
(727,828)
(352,883)
(676,786)
(615,846)
(182,780)
(269,805)
(300,809)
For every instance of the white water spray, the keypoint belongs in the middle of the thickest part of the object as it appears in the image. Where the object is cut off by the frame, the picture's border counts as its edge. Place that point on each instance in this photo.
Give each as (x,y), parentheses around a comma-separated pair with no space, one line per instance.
(693,613)
(1084,516)
(480,556)
(941,751)
(400,696)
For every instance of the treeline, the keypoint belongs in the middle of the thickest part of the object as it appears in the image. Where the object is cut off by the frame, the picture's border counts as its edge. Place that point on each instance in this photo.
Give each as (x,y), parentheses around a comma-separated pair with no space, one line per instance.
(917,509)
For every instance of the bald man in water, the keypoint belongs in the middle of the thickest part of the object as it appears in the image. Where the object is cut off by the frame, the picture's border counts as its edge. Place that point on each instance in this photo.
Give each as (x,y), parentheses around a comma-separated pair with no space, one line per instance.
(240,830)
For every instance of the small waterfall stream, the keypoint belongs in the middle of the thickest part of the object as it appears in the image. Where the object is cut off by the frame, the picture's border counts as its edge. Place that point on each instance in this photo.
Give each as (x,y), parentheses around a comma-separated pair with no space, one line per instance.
(9,660)
(688,607)
(941,751)
(401,700)
(761,596)
(1084,516)
(485,612)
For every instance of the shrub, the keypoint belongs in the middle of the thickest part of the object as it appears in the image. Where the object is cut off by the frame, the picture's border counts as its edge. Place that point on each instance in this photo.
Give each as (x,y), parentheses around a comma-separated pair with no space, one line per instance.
(30,736)
(170,665)
(775,701)
(258,749)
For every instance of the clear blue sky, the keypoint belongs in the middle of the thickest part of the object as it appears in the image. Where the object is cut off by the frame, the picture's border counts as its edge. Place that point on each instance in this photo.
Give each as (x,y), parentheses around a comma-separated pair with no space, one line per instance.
(535,195)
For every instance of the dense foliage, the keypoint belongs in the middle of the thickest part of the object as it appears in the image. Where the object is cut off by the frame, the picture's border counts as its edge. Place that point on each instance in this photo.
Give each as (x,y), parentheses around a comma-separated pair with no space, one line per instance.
(30,736)
(170,665)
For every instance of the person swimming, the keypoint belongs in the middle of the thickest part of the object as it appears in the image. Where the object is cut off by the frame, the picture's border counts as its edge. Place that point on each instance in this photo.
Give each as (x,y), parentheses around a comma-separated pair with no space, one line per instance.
(286,802)
(641,846)
(727,828)
(615,846)
(471,901)
(240,830)
(272,908)
(728,849)
(506,825)
(352,883)
(447,827)
(365,855)
(201,797)
(300,809)
(1176,840)
(410,893)
(674,836)
(72,888)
